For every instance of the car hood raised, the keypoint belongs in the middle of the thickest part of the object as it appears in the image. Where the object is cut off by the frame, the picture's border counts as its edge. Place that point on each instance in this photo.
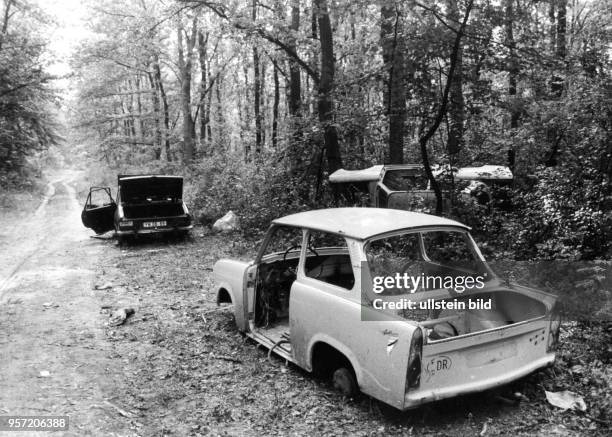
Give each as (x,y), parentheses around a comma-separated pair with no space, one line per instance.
(140,188)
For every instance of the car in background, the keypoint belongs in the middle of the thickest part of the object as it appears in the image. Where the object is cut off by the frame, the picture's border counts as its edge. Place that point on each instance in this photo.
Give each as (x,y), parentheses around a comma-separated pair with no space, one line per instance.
(145,204)
(406,187)
(309,297)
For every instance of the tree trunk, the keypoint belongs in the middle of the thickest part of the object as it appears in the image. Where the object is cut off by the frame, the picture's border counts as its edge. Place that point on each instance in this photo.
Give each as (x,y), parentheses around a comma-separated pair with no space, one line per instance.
(157,114)
(256,89)
(557,80)
(456,106)
(561,28)
(138,119)
(424,139)
(512,64)
(326,85)
(202,42)
(162,92)
(552,33)
(185,69)
(7,16)
(295,85)
(275,106)
(393,47)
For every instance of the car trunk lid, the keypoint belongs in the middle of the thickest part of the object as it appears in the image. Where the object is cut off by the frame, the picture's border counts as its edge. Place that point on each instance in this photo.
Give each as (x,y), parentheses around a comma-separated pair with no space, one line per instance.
(140,189)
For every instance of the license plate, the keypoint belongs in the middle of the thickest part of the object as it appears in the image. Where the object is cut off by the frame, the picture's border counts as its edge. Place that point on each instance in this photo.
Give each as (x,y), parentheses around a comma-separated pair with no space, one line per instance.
(492,354)
(154,224)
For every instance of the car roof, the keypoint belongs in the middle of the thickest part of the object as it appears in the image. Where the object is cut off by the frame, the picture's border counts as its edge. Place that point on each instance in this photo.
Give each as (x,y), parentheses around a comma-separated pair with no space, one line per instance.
(363,223)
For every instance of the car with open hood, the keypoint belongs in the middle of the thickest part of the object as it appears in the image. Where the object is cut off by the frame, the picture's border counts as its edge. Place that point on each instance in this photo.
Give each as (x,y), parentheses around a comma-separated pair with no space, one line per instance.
(399,305)
(144,204)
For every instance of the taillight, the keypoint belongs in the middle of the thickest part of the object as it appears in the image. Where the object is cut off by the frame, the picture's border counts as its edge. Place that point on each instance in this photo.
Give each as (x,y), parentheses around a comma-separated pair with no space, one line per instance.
(553,328)
(413,375)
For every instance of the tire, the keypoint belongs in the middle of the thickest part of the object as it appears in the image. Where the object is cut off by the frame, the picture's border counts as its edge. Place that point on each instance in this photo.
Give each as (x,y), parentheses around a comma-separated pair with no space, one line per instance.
(345,382)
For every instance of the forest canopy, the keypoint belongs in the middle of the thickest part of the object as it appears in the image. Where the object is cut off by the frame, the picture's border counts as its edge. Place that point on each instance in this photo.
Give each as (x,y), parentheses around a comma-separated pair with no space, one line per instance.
(27,123)
(258,101)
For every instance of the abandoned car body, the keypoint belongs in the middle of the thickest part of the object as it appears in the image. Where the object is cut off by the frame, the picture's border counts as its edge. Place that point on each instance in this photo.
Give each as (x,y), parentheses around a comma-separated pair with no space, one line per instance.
(145,204)
(405,186)
(309,297)
(401,186)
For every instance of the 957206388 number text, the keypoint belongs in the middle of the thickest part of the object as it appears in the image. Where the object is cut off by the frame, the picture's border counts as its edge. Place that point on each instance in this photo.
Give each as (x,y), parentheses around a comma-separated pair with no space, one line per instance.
(34,423)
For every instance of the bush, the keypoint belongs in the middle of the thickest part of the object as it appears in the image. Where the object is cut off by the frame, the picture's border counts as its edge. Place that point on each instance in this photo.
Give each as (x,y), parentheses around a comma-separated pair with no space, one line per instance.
(256,192)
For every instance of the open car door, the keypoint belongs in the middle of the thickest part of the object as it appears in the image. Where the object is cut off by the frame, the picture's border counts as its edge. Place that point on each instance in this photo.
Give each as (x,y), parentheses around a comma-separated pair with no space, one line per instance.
(99,210)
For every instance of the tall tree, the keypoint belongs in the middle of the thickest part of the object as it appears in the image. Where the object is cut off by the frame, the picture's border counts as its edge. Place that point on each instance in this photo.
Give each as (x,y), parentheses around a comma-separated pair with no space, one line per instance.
(431,130)
(185,65)
(159,86)
(512,63)
(204,118)
(326,85)
(257,88)
(393,48)
(456,104)
(295,84)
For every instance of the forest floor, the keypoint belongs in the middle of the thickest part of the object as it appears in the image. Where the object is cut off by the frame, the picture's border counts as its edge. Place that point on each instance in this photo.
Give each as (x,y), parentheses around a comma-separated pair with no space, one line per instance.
(178,366)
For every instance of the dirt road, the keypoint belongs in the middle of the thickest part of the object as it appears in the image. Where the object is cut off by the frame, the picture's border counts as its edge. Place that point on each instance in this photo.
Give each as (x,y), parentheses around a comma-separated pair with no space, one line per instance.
(55,359)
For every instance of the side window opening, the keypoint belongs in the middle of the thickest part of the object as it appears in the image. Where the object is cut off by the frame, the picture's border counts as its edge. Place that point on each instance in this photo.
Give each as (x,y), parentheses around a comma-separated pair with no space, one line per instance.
(328,260)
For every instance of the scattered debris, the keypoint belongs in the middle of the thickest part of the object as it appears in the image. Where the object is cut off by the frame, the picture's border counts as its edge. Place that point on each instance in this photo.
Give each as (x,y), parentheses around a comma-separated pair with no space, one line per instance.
(105,286)
(227,223)
(566,400)
(226,358)
(520,396)
(484,429)
(120,316)
(219,308)
(121,411)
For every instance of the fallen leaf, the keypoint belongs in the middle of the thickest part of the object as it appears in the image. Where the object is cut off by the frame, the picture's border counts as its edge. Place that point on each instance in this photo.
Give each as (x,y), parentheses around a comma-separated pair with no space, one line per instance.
(566,400)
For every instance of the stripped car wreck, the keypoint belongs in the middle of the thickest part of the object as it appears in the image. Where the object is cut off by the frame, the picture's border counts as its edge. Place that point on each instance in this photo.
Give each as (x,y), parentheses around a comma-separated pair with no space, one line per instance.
(311,297)
(145,204)
(406,187)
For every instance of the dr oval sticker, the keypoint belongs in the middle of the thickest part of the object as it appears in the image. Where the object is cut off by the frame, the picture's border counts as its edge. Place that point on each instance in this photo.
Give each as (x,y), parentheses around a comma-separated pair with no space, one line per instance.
(438,364)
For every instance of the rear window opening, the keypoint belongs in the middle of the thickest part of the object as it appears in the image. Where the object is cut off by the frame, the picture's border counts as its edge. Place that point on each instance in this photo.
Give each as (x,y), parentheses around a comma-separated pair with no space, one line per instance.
(442,275)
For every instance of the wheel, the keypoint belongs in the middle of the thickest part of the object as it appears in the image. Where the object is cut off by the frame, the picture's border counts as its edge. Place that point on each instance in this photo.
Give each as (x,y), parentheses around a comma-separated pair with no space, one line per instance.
(345,383)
